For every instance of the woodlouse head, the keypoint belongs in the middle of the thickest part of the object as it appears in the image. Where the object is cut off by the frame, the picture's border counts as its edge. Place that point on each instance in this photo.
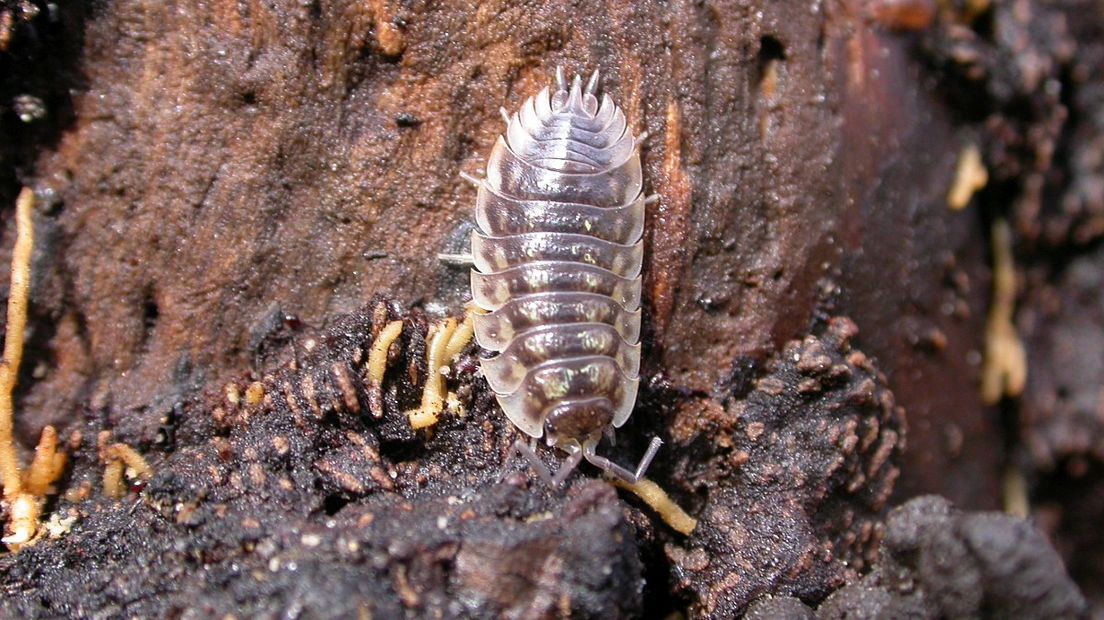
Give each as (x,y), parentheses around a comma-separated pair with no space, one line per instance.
(578,420)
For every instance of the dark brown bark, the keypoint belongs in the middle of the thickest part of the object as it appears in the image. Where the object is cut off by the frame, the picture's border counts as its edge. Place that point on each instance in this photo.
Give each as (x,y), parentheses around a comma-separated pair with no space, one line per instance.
(228,165)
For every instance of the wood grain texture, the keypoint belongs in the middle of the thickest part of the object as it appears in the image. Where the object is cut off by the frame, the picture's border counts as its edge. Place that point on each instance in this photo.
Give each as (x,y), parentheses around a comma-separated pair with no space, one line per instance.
(231,163)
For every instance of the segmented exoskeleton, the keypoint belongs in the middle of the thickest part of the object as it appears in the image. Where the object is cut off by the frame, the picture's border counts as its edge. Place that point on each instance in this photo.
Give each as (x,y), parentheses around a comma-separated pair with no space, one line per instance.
(557,255)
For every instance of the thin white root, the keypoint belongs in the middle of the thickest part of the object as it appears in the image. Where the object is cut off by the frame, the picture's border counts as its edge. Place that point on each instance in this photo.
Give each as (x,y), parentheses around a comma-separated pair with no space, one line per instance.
(113,484)
(122,460)
(443,343)
(377,365)
(970,176)
(1004,372)
(655,497)
(1014,496)
(433,398)
(25,492)
(47,466)
(377,356)
(460,338)
(11,473)
(23,523)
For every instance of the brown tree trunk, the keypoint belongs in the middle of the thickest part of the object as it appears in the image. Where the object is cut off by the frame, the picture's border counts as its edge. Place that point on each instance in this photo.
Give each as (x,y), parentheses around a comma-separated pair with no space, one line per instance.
(240,191)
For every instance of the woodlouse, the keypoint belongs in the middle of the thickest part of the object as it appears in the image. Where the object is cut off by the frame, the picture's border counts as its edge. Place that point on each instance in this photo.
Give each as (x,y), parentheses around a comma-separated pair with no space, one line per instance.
(558,255)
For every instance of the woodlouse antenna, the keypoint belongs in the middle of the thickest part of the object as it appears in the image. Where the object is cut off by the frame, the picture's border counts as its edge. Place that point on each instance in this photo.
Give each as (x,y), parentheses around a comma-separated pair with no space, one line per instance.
(613,469)
(592,85)
(553,481)
(568,466)
(577,455)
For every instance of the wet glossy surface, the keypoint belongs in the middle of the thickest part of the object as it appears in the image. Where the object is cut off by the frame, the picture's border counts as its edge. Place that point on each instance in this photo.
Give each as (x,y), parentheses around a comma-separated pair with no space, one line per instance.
(558,256)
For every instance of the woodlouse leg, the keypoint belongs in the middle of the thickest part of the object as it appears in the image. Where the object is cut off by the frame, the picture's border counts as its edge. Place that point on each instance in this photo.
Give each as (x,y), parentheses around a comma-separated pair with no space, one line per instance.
(463,260)
(524,449)
(561,81)
(470,179)
(616,470)
(505,115)
(569,464)
(650,199)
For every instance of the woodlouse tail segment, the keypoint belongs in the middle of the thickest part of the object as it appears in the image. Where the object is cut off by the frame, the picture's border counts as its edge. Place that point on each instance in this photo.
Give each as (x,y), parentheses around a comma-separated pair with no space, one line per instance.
(592,84)
(615,470)
(575,97)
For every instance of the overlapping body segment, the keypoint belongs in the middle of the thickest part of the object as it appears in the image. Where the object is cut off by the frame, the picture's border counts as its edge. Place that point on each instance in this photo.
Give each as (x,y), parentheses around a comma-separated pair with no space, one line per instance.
(558,257)
(499,215)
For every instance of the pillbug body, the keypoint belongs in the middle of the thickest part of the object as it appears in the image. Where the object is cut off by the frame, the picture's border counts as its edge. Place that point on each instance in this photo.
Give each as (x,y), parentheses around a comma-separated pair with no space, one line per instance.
(557,256)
